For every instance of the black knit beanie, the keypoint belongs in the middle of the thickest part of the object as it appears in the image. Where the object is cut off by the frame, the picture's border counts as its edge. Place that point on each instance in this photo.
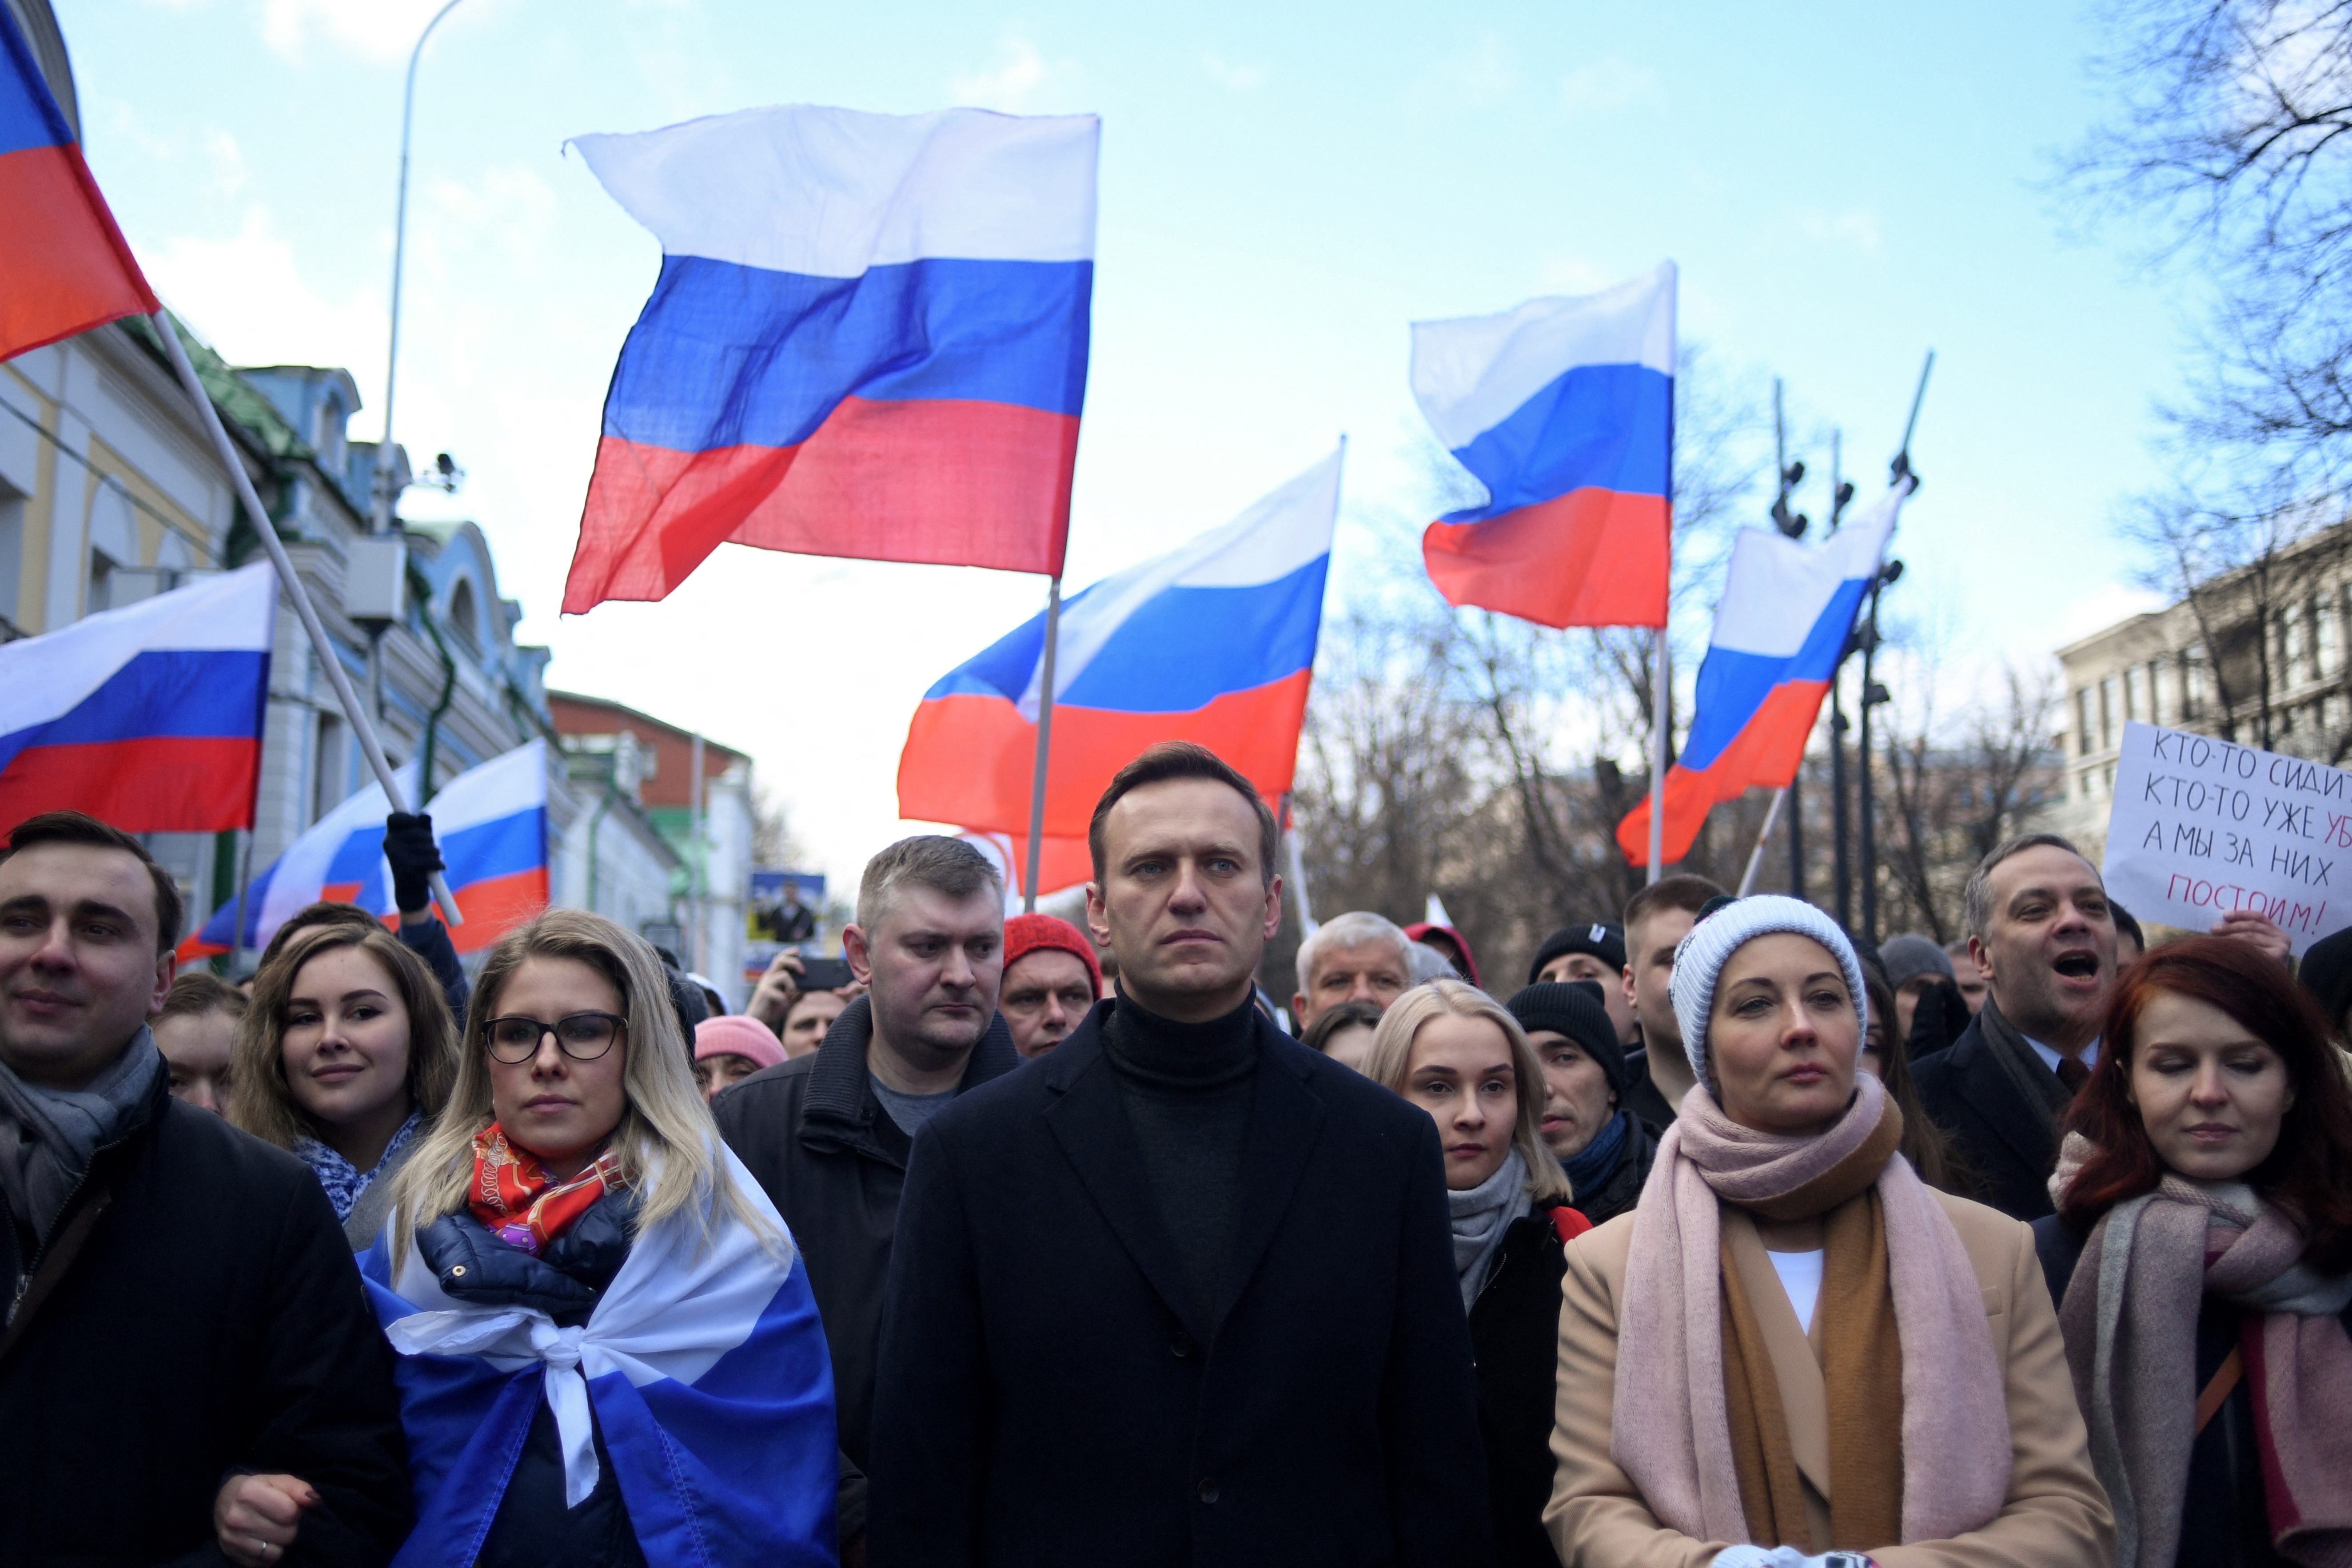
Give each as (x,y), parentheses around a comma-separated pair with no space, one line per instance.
(1573,1008)
(1606,943)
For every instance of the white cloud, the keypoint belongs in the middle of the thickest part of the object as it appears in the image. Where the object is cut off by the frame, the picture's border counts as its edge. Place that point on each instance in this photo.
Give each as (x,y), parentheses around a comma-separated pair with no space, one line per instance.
(1607,84)
(248,295)
(228,160)
(1572,275)
(1020,80)
(1856,230)
(378,29)
(1480,75)
(1232,75)
(512,206)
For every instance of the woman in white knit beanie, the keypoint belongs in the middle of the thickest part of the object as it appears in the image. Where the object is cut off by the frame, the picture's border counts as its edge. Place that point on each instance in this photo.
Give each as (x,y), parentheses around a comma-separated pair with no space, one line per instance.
(1792,1346)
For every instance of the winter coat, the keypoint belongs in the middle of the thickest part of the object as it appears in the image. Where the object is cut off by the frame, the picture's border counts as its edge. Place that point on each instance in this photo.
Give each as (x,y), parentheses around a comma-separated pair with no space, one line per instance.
(534,1527)
(1048,1396)
(817,1139)
(2225,1518)
(1622,1189)
(1514,1340)
(209,1321)
(2009,1145)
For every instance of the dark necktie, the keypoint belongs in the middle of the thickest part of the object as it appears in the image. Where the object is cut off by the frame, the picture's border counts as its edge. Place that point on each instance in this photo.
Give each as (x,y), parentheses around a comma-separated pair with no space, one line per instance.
(2072,1073)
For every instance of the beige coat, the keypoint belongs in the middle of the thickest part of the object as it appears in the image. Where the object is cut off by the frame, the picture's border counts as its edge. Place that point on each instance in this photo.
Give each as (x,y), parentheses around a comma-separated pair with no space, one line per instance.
(2056,1515)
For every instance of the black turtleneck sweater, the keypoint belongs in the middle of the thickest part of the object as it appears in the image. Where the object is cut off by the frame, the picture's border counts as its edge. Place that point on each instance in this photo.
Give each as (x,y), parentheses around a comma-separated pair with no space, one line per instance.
(1187,1090)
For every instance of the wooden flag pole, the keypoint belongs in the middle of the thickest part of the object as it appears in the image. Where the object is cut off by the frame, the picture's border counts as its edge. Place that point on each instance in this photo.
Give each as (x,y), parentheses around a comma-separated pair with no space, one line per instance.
(1658,716)
(1756,860)
(1044,742)
(344,695)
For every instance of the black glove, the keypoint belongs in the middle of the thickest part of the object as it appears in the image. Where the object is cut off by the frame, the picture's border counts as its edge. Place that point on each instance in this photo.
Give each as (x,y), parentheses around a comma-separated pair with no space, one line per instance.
(408,845)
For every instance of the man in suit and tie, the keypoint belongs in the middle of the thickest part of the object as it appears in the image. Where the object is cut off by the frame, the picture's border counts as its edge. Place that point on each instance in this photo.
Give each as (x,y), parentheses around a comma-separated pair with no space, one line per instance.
(1184,1291)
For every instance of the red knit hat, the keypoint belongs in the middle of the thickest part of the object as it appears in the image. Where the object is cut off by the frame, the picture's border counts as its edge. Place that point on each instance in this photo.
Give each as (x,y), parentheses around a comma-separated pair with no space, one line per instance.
(1024,934)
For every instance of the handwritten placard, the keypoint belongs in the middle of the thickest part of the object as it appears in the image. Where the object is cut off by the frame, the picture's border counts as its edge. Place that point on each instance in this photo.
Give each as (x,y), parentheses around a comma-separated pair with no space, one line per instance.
(2199,827)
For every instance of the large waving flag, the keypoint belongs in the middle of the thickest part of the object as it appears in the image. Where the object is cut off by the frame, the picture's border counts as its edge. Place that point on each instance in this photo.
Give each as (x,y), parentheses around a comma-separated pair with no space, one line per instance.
(1779,631)
(1564,410)
(148,716)
(869,338)
(703,1365)
(64,268)
(490,822)
(1212,642)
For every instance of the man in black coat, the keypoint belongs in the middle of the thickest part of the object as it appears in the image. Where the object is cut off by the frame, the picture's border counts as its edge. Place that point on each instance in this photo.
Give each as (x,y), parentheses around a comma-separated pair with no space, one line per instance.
(189,1367)
(1182,1292)
(827,1134)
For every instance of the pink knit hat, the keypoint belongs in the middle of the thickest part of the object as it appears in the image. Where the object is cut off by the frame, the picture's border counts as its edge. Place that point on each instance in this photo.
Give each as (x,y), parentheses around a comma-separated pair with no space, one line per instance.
(733,1034)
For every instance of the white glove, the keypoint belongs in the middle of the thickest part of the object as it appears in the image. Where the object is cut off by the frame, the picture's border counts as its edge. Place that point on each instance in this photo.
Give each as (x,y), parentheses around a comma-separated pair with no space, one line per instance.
(1786,1557)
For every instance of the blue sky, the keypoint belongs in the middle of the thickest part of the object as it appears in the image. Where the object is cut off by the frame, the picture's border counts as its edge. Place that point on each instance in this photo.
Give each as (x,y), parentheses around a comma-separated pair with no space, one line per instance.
(1283,190)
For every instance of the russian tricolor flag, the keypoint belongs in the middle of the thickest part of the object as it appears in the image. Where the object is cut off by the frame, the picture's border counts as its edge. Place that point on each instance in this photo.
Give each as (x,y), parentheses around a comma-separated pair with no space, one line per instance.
(1564,409)
(148,716)
(1211,643)
(490,822)
(868,338)
(64,268)
(1779,631)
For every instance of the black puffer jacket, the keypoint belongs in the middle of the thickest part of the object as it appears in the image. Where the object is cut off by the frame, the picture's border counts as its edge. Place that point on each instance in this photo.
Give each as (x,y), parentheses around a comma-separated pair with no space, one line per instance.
(833,1162)
(211,1320)
(1515,1337)
(534,1527)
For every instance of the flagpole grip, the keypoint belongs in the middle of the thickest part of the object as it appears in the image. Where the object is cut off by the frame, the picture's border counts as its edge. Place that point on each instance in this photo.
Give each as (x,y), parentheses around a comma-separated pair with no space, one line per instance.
(360,726)
(1045,744)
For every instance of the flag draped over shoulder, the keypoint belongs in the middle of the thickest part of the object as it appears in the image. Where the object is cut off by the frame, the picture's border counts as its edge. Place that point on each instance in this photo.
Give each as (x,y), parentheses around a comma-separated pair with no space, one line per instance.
(1779,631)
(149,717)
(1564,410)
(490,822)
(1211,643)
(64,268)
(704,1363)
(868,338)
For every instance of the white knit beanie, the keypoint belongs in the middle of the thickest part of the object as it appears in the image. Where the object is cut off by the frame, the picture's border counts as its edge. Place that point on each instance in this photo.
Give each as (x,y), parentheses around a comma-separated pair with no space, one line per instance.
(1700,958)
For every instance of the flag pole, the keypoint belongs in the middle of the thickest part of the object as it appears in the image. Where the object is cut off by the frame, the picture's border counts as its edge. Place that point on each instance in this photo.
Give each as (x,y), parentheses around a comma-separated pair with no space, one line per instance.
(1298,865)
(354,711)
(1659,675)
(1756,860)
(1044,742)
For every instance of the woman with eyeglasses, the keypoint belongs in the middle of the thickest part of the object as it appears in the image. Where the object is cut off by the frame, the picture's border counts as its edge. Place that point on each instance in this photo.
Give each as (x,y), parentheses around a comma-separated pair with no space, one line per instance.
(344,1055)
(608,1350)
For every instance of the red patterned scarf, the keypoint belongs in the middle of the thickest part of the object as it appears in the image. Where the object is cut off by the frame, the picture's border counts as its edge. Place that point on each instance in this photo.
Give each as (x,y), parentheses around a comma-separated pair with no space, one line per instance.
(519,1197)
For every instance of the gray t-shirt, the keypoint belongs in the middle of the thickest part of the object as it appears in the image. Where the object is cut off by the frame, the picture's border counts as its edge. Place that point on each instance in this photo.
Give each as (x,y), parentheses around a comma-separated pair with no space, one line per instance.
(911,1111)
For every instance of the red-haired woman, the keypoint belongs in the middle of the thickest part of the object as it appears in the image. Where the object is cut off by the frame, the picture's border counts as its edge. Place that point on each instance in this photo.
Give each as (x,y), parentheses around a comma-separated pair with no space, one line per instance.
(2203,1250)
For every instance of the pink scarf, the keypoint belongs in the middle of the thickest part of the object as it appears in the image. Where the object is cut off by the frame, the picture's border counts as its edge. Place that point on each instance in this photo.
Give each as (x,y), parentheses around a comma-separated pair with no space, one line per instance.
(1671,1431)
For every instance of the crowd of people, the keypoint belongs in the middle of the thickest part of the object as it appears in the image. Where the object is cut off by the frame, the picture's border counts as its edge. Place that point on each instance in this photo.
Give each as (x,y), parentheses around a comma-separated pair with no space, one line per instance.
(1727,1240)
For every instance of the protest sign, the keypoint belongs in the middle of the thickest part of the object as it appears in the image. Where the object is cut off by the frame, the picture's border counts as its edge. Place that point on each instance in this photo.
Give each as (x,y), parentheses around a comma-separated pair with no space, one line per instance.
(2199,827)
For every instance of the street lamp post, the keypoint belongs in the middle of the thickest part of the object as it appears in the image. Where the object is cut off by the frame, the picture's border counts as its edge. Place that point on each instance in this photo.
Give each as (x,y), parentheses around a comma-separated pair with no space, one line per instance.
(385,486)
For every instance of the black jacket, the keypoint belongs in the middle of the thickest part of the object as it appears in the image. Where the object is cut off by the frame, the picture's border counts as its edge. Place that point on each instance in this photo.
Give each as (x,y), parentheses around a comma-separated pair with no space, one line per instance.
(2224,1514)
(2008,1144)
(1642,1096)
(1622,1189)
(833,1162)
(212,1321)
(1044,1399)
(1515,1334)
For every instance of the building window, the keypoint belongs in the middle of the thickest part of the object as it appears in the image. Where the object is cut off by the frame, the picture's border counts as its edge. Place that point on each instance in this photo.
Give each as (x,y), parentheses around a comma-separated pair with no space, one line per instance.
(2327,632)
(464,619)
(2135,699)
(2155,708)
(2084,733)
(2192,683)
(2111,706)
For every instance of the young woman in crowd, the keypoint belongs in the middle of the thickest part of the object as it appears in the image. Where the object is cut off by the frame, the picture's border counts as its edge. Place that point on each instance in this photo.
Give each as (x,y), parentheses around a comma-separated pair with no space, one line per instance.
(2203,1253)
(1888,1055)
(1794,1346)
(346,1053)
(728,1049)
(1344,1033)
(1451,1050)
(1604,1149)
(196,1032)
(572,1216)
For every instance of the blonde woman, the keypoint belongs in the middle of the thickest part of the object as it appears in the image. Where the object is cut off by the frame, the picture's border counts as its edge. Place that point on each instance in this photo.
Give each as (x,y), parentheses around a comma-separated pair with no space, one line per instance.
(608,1350)
(1454,1051)
(344,1056)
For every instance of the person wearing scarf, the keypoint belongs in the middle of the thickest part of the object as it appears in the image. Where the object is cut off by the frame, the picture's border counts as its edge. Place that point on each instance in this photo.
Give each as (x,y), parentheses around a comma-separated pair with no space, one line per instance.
(1605,1149)
(346,1053)
(1451,1050)
(1793,1347)
(2202,1257)
(609,1355)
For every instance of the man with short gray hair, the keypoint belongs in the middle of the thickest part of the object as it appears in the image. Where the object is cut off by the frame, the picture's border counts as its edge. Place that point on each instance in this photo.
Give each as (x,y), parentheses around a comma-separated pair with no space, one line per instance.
(1358,957)
(827,1136)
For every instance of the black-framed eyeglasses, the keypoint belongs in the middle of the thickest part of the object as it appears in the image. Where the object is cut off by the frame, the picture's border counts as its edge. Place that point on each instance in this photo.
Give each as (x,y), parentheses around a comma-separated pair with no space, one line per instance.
(583,1037)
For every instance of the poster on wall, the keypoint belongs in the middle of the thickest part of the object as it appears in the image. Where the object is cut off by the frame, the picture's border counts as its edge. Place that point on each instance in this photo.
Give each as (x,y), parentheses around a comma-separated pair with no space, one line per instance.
(782,912)
(2199,827)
